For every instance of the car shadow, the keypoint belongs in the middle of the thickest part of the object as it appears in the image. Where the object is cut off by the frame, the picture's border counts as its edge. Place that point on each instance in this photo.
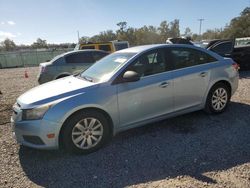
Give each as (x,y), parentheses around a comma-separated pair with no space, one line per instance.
(190,145)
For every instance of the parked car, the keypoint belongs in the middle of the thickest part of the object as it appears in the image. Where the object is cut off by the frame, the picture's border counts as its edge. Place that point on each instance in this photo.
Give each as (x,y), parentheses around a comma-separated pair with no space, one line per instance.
(125,89)
(225,48)
(110,46)
(68,63)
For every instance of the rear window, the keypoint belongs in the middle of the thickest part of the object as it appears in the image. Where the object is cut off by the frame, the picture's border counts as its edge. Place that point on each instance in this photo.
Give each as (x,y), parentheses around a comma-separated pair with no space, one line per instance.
(99,55)
(80,58)
(87,47)
(105,47)
(120,46)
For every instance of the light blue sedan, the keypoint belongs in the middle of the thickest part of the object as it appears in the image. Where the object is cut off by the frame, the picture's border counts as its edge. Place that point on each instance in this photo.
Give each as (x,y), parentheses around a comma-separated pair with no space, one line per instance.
(126,89)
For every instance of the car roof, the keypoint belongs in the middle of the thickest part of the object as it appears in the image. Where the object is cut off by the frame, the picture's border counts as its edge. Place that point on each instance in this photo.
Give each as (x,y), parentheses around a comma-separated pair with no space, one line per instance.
(144,48)
(80,51)
(138,49)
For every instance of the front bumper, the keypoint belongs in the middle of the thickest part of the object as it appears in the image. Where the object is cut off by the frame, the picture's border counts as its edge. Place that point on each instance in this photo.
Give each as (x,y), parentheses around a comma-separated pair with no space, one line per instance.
(34,133)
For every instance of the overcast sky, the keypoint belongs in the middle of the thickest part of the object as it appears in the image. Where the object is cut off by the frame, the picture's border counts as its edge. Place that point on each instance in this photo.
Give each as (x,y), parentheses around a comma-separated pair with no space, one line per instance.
(58,21)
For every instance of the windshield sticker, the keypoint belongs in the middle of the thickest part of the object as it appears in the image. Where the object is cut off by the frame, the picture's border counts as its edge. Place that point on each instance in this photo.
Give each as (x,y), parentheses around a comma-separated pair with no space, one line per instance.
(120,60)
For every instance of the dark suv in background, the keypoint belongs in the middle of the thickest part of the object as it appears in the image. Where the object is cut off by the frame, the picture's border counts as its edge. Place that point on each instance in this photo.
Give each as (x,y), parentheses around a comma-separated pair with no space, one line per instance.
(68,63)
(226,48)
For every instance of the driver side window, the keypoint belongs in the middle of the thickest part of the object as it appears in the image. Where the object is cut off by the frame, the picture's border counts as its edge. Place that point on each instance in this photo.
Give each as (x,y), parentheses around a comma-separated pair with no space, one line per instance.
(150,63)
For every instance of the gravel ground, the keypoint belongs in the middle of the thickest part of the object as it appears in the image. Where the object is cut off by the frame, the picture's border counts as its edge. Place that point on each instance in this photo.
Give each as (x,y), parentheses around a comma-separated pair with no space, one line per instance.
(193,150)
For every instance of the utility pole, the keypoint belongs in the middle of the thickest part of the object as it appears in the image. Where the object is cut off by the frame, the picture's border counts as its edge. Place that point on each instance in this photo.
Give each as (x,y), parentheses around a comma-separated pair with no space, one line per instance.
(78,36)
(200,20)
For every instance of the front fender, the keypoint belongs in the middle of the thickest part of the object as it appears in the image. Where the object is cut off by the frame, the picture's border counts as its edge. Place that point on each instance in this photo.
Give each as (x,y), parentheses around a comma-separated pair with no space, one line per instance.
(101,98)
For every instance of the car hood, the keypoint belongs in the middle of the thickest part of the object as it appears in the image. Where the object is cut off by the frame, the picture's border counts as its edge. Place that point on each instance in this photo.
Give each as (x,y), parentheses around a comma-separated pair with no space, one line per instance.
(54,91)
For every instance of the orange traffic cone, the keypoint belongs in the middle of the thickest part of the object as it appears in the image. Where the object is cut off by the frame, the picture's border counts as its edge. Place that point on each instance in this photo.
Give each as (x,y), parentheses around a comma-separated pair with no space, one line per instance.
(26,74)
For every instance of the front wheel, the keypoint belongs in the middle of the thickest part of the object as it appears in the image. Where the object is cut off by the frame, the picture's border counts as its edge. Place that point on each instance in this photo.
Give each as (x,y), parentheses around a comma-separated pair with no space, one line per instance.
(85,132)
(217,99)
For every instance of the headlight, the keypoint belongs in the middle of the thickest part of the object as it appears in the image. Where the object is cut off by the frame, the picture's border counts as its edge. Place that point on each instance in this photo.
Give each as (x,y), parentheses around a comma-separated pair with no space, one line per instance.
(35,113)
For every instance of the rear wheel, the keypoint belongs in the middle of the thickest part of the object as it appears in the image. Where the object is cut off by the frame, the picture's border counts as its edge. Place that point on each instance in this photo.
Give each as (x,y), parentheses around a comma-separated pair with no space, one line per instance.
(218,99)
(85,132)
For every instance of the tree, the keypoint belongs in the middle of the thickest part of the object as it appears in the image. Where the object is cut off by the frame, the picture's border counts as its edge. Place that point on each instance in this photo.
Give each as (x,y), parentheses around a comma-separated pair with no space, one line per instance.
(164,31)
(174,29)
(147,35)
(40,43)
(84,39)
(187,32)
(8,45)
(239,26)
(122,25)
(104,36)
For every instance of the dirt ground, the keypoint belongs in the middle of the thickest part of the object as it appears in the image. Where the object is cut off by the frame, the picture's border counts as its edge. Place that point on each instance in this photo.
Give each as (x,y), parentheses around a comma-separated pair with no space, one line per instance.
(193,150)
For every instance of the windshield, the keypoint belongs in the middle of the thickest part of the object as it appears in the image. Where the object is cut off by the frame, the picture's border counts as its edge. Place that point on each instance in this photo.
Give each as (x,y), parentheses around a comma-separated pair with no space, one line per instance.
(103,69)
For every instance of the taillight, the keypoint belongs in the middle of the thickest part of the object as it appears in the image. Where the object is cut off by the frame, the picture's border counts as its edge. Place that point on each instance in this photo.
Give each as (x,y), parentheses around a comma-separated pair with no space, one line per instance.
(236,66)
(43,68)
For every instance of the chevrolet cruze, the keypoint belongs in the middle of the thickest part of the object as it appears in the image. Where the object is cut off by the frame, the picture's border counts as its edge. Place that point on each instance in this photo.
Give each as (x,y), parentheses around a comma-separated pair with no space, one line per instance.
(126,89)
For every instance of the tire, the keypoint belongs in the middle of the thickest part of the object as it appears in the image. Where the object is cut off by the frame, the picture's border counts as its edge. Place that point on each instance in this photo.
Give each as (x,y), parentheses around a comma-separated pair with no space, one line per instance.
(217,99)
(85,132)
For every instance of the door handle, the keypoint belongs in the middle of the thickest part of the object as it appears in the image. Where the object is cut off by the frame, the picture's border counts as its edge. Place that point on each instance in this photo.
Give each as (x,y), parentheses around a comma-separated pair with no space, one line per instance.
(203,74)
(164,84)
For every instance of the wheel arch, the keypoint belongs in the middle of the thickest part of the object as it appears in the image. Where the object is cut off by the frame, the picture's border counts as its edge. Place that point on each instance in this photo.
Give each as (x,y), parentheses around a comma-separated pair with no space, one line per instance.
(224,81)
(110,121)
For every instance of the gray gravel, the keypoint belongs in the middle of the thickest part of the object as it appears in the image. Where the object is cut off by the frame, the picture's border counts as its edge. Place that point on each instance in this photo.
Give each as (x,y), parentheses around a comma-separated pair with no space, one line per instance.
(193,150)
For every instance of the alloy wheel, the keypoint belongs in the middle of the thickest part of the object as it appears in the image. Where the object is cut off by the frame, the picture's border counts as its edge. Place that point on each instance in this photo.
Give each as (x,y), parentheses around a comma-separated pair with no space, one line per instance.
(87,133)
(219,99)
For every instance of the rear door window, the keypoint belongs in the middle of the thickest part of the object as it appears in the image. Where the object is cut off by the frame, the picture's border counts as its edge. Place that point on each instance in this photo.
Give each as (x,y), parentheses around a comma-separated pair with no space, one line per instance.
(80,58)
(187,57)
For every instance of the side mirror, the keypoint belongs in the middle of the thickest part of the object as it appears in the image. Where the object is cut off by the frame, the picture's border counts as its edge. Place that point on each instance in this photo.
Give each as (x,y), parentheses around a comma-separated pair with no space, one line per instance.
(131,76)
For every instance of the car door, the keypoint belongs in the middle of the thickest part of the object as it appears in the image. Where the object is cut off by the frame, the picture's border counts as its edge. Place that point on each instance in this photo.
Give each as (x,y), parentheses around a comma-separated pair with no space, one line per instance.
(190,76)
(223,48)
(149,97)
(77,62)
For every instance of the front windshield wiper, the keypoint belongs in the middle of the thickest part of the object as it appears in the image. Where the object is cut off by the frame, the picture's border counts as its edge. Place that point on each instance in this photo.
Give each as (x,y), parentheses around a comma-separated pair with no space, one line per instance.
(87,78)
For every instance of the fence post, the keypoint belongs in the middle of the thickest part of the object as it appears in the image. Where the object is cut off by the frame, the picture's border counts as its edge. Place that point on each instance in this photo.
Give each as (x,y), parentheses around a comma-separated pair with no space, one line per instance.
(21,58)
(5,61)
(36,58)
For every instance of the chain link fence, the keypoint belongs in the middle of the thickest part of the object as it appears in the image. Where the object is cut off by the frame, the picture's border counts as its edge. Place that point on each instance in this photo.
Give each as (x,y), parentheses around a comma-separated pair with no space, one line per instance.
(28,58)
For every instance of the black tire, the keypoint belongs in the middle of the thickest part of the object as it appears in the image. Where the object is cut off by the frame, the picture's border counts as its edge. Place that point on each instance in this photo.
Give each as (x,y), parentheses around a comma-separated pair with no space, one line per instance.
(210,106)
(70,125)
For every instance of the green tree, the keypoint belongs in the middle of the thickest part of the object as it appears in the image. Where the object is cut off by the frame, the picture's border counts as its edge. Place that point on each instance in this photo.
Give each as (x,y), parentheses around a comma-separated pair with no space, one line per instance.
(174,29)
(188,32)
(122,26)
(164,31)
(84,39)
(40,43)
(8,45)
(104,36)
(212,34)
(239,26)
